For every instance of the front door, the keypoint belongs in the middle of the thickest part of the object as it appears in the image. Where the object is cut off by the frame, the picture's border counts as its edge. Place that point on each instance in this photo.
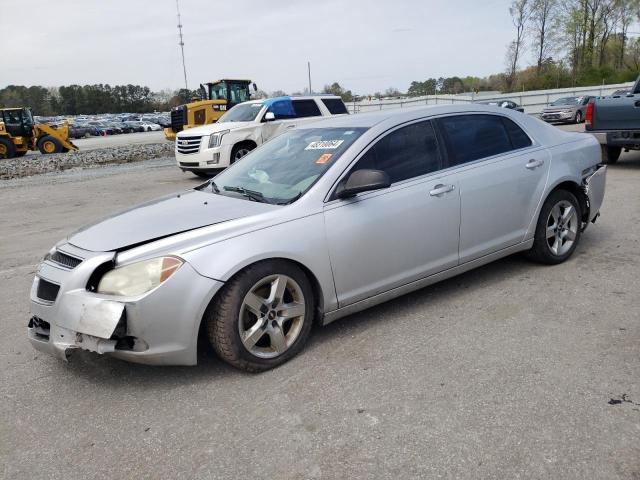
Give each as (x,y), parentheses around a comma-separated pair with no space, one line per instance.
(384,239)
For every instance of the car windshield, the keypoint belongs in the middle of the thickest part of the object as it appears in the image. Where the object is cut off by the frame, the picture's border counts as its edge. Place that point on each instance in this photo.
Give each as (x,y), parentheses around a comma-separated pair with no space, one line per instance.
(246,112)
(566,101)
(283,169)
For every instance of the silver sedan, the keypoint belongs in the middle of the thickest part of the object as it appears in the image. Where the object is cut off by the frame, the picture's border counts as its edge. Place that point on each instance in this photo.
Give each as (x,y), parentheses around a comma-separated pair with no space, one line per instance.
(319,223)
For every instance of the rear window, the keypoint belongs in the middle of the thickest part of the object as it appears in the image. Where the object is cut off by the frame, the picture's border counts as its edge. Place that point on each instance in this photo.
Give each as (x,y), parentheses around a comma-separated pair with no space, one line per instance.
(519,139)
(306,108)
(472,137)
(335,106)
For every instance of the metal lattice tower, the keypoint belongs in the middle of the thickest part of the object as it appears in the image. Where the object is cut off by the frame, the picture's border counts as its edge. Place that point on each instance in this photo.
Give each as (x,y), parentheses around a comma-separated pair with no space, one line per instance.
(181,43)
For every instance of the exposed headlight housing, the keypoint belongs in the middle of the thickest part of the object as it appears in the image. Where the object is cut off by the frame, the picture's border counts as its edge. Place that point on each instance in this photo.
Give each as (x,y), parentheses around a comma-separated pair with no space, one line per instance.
(215,139)
(138,278)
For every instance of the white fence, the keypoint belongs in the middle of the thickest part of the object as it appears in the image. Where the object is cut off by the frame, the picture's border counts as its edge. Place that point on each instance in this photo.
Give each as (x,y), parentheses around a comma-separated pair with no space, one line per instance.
(533,101)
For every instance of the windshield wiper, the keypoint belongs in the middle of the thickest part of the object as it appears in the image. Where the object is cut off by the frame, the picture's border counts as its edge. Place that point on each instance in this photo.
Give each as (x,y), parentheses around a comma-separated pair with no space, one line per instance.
(251,194)
(292,199)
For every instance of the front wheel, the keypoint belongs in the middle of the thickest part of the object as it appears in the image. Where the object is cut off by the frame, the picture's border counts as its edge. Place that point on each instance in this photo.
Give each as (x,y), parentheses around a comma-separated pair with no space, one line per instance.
(7,148)
(262,317)
(578,118)
(558,230)
(240,151)
(49,144)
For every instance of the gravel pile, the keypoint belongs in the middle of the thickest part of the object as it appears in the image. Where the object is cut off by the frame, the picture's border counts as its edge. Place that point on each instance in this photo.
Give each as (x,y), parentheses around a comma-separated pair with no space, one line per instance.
(35,164)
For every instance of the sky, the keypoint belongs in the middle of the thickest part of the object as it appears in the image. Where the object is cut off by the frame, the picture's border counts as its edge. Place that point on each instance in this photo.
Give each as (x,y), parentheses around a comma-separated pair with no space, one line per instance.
(365,45)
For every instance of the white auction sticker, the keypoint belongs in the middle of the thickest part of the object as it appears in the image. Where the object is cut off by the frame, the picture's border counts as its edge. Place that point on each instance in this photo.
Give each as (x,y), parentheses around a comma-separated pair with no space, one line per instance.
(324,145)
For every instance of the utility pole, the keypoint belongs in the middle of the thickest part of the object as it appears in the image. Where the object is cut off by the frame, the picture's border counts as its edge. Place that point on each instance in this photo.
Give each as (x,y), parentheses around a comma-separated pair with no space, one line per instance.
(309,71)
(181,43)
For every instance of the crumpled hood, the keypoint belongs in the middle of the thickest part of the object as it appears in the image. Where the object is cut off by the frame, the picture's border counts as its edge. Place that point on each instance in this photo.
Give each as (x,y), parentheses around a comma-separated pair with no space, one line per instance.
(213,128)
(163,217)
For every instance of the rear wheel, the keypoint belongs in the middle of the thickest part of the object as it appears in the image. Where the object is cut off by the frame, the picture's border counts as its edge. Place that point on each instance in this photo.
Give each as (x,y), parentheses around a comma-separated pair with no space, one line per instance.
(610,155)
(7,148)
(262,317)
(558,230)
(49,144)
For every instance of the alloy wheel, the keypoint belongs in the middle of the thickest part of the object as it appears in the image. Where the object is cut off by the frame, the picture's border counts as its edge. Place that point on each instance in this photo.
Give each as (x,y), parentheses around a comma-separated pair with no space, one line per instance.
(240,153)
(271,316)
(562,227)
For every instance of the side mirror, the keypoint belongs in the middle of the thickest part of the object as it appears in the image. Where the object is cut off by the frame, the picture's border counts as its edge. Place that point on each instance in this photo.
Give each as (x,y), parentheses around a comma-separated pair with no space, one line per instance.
(269,117)
(255,87)
(363,180)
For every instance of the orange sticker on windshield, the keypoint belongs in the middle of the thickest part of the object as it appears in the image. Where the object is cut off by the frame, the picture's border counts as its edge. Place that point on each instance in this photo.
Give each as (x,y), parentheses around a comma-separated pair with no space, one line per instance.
(324,158)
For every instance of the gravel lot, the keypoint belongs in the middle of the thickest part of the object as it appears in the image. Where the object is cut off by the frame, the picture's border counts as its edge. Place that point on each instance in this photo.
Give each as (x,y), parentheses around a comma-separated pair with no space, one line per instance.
(92,143)
(513,370)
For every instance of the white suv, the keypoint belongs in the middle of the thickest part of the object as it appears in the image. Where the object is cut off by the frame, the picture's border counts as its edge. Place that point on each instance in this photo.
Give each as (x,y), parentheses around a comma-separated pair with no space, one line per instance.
(207,149)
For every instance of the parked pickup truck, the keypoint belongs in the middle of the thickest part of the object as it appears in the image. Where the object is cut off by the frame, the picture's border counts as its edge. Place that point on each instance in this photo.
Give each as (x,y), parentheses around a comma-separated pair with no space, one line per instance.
(615,122)
(208,149)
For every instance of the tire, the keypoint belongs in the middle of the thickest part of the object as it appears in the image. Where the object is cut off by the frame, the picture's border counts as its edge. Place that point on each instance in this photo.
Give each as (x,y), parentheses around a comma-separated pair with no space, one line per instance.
(203,174)
(49,144)
(239,151)
(7,148)
(610,155)
(245,304)
(554,242)
(578,118)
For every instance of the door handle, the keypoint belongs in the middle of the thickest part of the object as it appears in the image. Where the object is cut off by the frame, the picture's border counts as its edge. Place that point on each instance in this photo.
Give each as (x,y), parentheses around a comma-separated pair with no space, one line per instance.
(531,164)
(441,189)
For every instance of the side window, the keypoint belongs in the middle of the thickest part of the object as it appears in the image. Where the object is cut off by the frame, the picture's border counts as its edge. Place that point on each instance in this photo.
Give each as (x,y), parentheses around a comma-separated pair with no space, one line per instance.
(471,137)
(282,109)
(519,139)
(306,108)
(405,153)
(335,106)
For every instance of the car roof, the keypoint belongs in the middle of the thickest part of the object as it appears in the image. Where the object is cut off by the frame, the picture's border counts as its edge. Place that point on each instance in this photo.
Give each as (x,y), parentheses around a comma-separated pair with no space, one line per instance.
(397,116)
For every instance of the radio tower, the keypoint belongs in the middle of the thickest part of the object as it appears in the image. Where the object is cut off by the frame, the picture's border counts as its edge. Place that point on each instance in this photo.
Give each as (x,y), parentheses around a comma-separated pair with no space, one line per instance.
(181,43)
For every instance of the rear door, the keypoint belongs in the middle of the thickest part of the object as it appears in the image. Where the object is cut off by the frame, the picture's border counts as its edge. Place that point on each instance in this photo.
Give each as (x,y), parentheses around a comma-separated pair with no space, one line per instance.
(383,239)
(502,175)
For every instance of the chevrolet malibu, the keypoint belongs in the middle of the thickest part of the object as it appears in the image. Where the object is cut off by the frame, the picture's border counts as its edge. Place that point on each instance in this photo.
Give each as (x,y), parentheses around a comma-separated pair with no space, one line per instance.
(321,222)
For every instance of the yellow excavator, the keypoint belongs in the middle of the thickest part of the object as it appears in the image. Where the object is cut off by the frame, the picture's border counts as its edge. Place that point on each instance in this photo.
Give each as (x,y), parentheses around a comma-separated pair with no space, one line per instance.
(19,134)
(216,98)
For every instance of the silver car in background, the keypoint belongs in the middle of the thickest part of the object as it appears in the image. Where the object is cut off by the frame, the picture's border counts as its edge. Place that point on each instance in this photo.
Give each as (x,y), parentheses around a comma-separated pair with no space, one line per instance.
(566,110)
(321,222)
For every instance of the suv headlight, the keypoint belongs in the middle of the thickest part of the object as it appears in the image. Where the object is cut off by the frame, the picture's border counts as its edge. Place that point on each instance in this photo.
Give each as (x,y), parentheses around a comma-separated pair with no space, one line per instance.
(215,139)
(138,278)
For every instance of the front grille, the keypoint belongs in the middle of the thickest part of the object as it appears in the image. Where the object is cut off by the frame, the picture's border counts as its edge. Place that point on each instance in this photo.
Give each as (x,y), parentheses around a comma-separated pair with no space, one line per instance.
(47,291)
(65,260)
(178,118)
(189,164)
(187,145)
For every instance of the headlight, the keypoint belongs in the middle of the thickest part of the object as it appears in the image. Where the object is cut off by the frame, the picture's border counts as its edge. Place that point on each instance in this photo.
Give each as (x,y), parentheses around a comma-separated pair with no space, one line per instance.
(138,278)
(216,139)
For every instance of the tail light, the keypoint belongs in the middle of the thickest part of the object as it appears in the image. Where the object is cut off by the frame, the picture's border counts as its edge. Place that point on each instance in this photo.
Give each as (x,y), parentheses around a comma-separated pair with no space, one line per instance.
(588,118)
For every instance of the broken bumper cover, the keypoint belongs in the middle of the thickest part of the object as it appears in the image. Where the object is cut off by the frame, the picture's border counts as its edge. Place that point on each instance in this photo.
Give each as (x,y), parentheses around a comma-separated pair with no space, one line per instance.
(594,187)
(158,328)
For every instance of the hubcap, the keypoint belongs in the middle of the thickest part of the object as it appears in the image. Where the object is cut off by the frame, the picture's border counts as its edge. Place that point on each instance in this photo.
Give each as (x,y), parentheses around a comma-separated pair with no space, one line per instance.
(562,227)
(49,147)
(271,316)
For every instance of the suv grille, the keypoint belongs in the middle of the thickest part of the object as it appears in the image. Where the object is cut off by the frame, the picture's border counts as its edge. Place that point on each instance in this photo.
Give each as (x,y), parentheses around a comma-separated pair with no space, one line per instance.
(178,118)
(187,145)
(47,291)
(65,260)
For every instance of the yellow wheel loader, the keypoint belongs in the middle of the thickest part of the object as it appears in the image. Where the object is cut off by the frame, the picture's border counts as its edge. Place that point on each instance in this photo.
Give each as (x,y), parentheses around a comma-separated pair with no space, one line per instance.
(217,98)
(19,134)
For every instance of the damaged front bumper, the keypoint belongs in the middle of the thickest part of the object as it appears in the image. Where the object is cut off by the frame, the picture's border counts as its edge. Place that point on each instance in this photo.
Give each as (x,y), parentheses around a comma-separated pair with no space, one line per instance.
(160,327)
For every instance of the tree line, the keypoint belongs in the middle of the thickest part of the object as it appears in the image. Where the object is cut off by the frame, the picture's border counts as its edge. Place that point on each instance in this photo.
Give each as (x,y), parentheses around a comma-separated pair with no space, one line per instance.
(92,99)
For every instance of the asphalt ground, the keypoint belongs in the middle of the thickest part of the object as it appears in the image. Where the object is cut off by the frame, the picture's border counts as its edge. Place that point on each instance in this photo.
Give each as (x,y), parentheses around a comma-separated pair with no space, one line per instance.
(512,370)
